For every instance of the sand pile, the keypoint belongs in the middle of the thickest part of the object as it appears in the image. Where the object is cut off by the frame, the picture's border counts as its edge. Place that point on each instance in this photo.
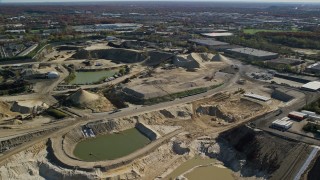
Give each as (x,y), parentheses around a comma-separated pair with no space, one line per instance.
(85,99)
(219,57)
(82,97)
(206,56)
(5,110)
(29,106)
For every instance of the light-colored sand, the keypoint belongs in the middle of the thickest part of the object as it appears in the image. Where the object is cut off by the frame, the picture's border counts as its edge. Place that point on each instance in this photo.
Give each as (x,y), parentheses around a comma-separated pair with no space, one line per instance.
(5,111)
(31,103)
(82,97)
(219,57)
(85,99)
(170,81)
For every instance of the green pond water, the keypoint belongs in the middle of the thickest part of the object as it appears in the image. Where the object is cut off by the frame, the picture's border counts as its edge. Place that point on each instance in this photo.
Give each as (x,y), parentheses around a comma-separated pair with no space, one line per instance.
(201,173)
(110,146)
(92,76)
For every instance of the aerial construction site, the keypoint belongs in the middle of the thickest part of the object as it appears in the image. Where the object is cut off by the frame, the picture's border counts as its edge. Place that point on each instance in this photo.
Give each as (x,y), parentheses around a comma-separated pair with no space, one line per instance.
(159,110)
(123,104)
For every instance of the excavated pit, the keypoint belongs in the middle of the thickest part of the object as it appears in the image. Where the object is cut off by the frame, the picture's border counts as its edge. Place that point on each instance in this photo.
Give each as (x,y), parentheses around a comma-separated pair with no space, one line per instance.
(255,153)
(116,55)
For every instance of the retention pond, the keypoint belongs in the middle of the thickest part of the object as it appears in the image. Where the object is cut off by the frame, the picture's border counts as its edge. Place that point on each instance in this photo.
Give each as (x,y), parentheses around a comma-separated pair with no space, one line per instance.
(90,77)
(110,146)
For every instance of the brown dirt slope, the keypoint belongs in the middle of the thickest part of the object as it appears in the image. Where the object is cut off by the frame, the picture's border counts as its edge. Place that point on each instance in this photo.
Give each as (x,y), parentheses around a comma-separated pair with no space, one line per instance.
(5,110)
(262,150)
(117,55)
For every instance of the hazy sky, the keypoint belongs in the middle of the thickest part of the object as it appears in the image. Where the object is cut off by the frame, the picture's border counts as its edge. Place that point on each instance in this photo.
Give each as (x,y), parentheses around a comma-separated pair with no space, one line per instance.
(297,1)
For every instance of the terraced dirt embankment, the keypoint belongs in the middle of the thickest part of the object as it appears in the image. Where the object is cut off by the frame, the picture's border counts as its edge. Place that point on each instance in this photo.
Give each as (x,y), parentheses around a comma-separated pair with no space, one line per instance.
(261,153)
(116,55)
(11,143)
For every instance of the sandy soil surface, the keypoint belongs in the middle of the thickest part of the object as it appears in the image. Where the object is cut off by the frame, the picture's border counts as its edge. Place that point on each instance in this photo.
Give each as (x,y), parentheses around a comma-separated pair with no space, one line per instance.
(96,46)
(5,112)
(163,81)
(58,56)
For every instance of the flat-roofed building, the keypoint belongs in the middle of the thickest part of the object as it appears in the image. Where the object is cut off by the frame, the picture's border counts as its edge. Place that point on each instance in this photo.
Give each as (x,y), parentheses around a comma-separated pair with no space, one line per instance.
(211,43)
(297,115)
(312,86)
(256,96)
(282,124)
(252,54)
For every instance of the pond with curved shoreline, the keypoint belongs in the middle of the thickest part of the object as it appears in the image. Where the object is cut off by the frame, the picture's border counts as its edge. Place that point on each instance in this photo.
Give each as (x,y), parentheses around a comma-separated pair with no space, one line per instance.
(110,146)
(90,77)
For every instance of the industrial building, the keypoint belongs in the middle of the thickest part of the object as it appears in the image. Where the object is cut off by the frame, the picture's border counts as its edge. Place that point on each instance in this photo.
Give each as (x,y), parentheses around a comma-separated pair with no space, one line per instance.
(313,68)
(282,124)
(283,94)
(311,115)
(252,54)
(311,86)
(217,34)
(256,96)
(296,78)
(297,115)
(210,43)
(315,118)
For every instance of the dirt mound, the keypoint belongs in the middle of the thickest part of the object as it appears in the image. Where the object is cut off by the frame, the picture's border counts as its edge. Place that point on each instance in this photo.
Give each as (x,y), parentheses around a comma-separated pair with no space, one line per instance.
(187,62)
(178,112)
(82,97)
(215,111)
(5,110)
(219,57)
(116,55)
(28,106)
(206,56)
(221,109)
(85,99)
(157,57)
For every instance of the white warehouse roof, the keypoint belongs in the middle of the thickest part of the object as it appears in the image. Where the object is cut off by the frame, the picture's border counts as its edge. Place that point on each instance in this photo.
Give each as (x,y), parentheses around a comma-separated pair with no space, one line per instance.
(53,75)
(256,96)
(314,86)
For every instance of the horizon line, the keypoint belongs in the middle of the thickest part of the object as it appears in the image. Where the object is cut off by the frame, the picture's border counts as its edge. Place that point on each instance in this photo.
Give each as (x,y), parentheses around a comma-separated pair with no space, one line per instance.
(213,1)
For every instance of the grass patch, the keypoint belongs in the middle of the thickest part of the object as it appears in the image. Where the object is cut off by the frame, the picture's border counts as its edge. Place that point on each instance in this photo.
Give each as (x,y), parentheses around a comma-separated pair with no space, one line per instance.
(71,77)
(14,88)
(314,106)
(56,113)
(254,31)
(311,127)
